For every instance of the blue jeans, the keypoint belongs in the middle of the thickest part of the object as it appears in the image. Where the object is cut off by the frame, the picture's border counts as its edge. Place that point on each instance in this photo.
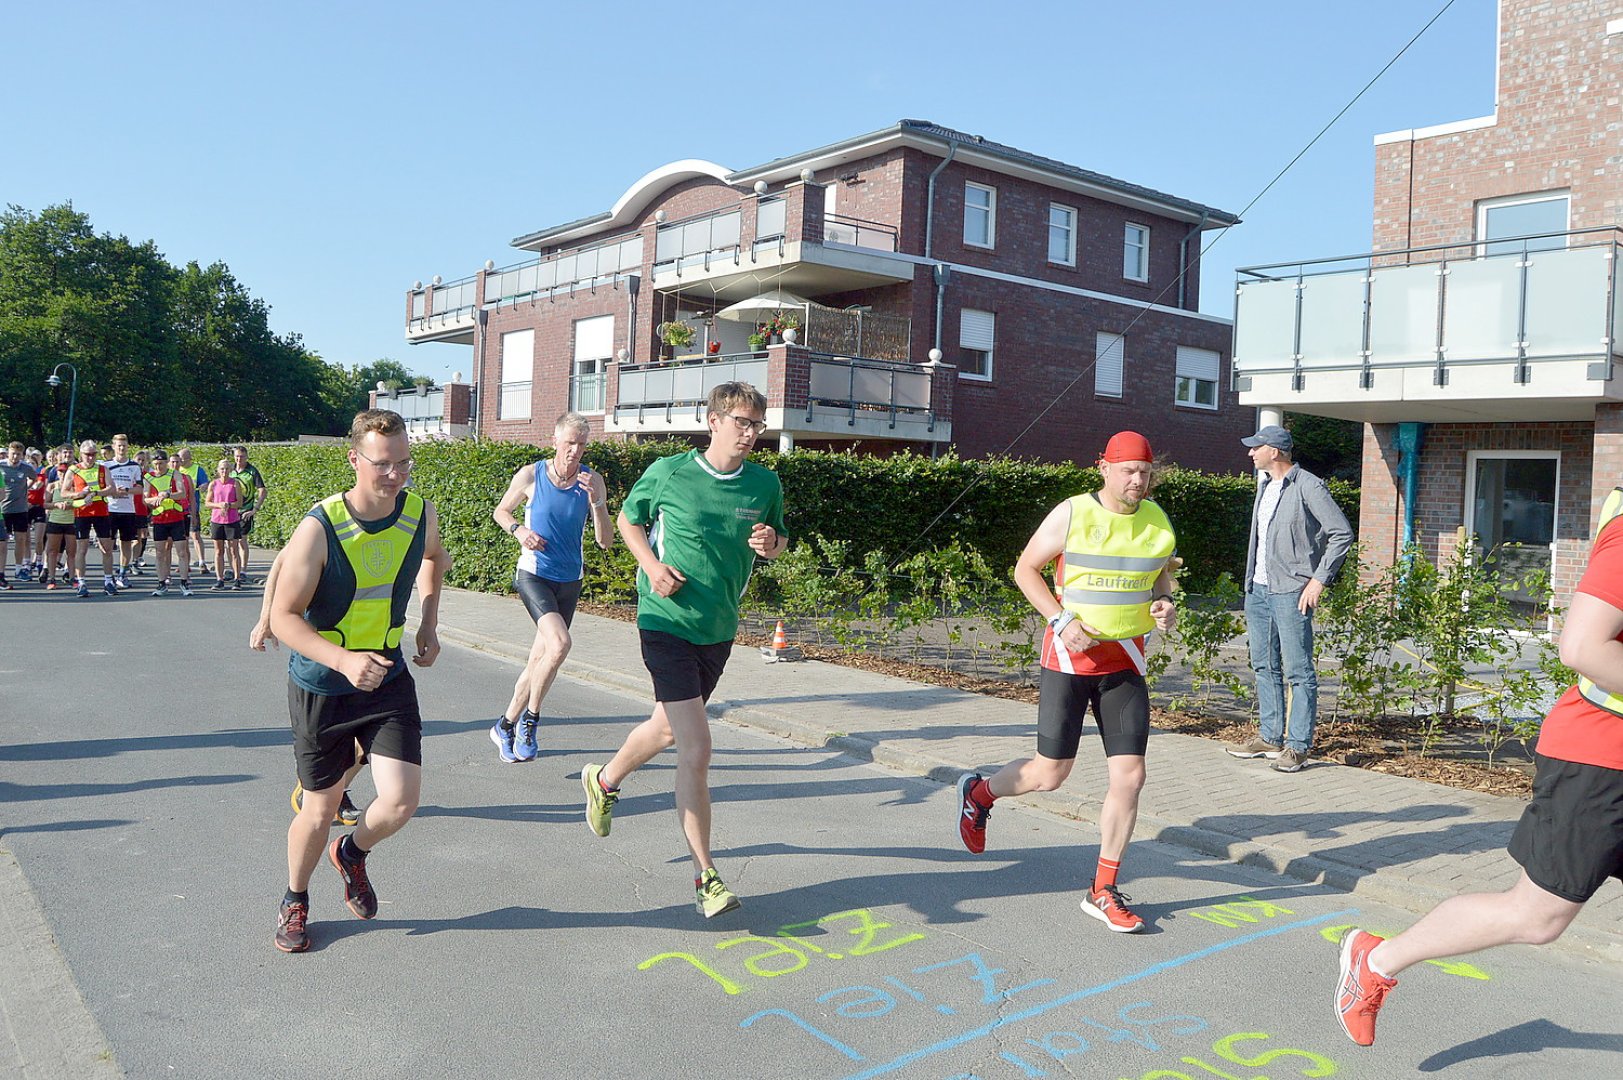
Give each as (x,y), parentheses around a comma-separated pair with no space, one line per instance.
(1281,639)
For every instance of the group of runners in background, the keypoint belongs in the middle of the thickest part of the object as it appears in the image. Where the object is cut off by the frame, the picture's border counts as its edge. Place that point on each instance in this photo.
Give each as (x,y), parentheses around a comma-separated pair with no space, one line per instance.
(62,504)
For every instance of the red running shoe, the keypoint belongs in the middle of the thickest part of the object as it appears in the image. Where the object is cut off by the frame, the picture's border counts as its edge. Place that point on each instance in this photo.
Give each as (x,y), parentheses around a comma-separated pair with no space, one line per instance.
(1109,906)
(1360,992)
(358,894)
(971,814)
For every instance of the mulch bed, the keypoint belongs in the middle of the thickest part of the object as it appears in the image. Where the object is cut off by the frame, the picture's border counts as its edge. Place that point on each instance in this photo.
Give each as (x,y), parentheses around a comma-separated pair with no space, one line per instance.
(1452,754)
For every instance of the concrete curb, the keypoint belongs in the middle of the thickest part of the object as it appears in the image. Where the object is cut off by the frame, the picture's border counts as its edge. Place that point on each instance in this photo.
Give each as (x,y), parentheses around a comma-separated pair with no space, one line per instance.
(1392,887)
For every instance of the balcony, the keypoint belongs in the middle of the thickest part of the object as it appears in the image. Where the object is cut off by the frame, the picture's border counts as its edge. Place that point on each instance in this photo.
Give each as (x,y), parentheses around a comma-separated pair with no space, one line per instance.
(809,395)
(445,312)
(712,249)
(431,413)
(1519,329)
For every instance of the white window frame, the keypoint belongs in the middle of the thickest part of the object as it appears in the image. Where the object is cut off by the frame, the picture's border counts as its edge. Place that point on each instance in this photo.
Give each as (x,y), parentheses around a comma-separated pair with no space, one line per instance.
(1468,515)
(1143,251)
(1070,235)
(1484,205)
(510,339)
(1179,376)
(1103,340)
(599,360)
(991,215)
(976,343)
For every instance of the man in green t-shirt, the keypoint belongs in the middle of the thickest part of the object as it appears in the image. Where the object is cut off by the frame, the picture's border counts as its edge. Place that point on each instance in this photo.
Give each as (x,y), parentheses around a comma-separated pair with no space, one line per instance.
(696,523)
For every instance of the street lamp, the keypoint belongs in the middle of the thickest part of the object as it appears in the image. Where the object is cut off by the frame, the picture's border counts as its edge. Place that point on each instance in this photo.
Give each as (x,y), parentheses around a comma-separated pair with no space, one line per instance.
(55,380)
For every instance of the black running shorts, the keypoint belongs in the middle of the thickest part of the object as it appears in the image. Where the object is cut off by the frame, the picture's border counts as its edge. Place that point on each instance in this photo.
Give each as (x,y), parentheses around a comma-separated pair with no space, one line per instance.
(247,524)
(168,530)
(225,530)
(18,522)
(59,528)
(1120,702)
(385,721)
(543,596)
(36,514)
(123,526)
(84,526)
(1570,837)
(682,670)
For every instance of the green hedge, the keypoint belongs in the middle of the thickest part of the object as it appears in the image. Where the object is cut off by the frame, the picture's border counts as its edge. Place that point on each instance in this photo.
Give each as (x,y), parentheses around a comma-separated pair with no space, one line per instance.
(875,504)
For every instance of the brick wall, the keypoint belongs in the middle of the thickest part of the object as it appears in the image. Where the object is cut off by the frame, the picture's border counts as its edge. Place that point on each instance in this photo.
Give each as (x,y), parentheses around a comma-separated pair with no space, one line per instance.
(1559,126)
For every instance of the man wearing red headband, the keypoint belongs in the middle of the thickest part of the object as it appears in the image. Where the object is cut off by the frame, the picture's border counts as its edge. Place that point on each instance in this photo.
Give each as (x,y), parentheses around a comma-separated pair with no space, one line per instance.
(1112,585)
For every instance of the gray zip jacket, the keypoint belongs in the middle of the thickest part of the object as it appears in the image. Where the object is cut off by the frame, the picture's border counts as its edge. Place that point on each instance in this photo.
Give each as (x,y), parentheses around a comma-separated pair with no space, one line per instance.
(1308,537)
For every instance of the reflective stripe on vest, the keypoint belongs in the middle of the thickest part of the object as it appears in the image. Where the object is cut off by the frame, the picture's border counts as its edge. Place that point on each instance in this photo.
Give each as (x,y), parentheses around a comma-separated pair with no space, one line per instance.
(1110,565)
(375,560)
(1612,703)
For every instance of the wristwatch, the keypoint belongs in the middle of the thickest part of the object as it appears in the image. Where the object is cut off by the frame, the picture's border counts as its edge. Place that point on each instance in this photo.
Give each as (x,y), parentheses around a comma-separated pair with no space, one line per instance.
(513,528)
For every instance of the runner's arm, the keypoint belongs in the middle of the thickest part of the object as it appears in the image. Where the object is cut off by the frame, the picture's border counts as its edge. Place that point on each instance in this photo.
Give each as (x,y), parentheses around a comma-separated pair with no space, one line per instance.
(662,578)
(602,525)
(430,582)
(261,633)
(1589,642)
(302,562)
(506,512)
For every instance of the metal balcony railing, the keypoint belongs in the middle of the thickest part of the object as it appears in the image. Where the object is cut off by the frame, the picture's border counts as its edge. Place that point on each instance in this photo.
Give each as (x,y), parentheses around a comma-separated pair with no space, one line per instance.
(1515,300)
(844,229)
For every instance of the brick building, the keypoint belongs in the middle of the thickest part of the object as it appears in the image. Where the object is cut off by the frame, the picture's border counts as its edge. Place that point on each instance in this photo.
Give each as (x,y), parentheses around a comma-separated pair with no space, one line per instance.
(948,290)
(1479,340)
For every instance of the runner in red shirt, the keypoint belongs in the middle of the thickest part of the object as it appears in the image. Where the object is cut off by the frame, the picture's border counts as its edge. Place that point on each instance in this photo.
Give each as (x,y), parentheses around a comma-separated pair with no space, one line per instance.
(1570,838)
(168,496)
(90,485)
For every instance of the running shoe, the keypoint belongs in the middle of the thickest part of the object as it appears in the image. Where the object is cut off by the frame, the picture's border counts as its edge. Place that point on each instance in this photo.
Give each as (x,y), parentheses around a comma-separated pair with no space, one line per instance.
(109,587)
(1109,906)
(711,897)
(122,578)
(6,585)
(218,586)
(291,935)
(25,573)
(524,746)
(239,585)
(50,586)
(971,814)
(599,803)
(346,814)
(185,589)
(82,589)
(1360,992)
(162,589)
(502,736)
(358,894)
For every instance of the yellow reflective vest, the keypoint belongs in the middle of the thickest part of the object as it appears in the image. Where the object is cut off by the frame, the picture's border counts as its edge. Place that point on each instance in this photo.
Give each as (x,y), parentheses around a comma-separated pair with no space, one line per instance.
(373,620)
(1612,703)
(165,485)
(1107,574)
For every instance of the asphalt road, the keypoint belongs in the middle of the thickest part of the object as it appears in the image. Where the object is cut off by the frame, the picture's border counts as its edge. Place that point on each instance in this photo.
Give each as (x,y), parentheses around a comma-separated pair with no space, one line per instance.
(145,767)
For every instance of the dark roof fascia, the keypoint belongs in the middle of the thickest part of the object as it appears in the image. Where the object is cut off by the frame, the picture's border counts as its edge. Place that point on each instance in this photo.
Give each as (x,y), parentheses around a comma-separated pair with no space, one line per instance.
(530,239)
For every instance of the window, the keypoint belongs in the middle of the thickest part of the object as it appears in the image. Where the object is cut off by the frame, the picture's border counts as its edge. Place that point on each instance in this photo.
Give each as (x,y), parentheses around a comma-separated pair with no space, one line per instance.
(594,345)
(1135,253)
(1197,377)
(1512,498)
(1061,235)
(1522,215)
(518,368)
(1111,353)
(980,215)
(977,330)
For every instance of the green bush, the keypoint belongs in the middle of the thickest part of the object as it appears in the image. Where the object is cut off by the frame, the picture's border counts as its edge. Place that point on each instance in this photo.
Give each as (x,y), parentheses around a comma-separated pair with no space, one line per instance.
(879,509)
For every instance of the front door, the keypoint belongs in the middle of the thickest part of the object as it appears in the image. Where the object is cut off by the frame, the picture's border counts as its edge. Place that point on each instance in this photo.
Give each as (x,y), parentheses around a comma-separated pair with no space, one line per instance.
(1511,511)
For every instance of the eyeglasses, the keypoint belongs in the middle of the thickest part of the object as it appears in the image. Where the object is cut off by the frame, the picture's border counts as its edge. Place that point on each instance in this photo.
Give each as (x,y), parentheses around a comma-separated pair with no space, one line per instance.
(384,468)
(744,423)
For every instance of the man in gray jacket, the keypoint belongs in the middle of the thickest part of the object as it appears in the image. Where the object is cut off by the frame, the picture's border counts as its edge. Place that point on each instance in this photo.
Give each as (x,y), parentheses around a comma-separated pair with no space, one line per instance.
(1299,539)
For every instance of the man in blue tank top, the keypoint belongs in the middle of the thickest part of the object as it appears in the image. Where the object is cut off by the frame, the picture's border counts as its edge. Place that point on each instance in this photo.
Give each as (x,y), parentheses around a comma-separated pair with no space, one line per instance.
(560,495)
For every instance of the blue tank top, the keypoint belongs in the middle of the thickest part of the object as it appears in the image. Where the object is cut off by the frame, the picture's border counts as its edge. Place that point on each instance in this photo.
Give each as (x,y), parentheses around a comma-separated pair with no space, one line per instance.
(558,515)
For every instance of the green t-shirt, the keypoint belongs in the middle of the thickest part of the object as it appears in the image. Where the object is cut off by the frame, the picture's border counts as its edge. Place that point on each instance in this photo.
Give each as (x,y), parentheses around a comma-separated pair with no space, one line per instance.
(699,521)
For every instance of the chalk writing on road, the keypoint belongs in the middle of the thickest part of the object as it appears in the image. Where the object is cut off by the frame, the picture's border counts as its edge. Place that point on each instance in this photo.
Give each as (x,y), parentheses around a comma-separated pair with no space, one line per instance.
(1452,967)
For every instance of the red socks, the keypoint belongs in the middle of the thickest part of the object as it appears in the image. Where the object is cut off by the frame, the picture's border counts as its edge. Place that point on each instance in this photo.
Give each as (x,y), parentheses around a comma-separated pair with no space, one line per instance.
(981,792)
(1106,873)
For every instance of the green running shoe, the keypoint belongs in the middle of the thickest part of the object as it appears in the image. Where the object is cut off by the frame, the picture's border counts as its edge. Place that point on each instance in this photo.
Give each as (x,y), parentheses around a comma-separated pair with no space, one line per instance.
(599,803)
(712,898)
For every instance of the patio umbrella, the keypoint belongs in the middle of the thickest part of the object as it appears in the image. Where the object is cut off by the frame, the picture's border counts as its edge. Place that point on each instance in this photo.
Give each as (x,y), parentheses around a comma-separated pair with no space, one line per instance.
(757,308)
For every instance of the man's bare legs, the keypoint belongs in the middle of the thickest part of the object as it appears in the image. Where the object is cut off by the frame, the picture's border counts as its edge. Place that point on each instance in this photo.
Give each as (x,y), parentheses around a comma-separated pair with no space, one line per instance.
(1523,914)
(548,651)
(1119,814)
(685,725)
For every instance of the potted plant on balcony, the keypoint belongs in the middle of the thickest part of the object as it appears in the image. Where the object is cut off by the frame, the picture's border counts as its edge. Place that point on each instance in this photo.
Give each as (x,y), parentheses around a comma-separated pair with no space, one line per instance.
(675,335)
(776,324)
(757,341)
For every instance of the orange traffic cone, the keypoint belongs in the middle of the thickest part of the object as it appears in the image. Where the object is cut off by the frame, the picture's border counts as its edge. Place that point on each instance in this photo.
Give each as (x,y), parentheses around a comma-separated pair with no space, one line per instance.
(779,641)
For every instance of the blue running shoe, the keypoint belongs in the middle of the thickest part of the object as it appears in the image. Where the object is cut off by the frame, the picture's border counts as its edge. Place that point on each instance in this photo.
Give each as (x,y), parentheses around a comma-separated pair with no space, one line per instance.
(503,738)
(82,589)
(524,747)
(25,573)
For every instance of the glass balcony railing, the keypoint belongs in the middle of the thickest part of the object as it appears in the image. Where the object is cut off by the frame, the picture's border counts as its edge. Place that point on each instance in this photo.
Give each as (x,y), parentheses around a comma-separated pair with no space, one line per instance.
(585,267)
(843,229)
(444,304)
(697,241)
(1521,300)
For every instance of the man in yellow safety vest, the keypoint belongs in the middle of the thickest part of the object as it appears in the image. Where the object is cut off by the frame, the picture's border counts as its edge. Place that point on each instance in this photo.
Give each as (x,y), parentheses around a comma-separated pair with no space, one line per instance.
(343,618)
(1112,585)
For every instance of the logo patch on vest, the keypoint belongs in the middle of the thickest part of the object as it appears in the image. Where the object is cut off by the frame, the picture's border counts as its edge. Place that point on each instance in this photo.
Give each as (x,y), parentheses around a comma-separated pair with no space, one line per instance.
(377,556)
(1096,535)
